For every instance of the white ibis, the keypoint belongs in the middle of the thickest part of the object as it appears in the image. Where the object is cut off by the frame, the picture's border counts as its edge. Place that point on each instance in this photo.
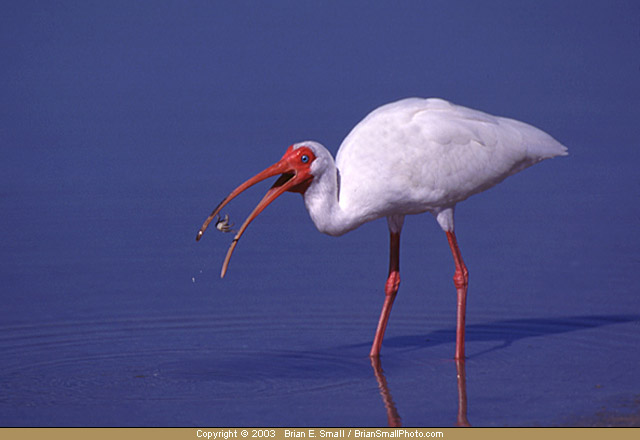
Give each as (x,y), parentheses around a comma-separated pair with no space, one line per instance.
(407,157)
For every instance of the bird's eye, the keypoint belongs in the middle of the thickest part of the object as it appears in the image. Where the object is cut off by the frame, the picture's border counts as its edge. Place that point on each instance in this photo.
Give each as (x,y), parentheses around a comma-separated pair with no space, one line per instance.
(304,158)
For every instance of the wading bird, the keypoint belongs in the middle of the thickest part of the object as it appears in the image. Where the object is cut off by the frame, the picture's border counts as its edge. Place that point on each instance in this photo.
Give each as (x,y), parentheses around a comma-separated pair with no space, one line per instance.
(407,157)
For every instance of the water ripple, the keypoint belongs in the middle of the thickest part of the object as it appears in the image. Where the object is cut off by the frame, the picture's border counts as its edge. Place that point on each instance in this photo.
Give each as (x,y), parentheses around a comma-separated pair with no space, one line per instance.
(153,359)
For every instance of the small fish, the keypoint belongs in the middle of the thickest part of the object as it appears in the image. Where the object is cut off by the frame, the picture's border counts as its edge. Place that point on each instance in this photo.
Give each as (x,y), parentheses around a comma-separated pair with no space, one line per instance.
(222,224)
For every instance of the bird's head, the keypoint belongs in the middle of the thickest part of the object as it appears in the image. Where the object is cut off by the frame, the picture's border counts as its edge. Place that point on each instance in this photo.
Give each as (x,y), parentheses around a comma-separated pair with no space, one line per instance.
(296,169)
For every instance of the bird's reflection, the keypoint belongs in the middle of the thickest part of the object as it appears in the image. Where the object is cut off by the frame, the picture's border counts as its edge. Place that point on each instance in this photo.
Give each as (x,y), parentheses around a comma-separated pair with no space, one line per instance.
(461,375)
(393,417)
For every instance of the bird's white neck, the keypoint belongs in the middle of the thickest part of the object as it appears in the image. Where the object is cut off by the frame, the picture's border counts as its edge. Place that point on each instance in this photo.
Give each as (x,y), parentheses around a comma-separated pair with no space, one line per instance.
(322,201)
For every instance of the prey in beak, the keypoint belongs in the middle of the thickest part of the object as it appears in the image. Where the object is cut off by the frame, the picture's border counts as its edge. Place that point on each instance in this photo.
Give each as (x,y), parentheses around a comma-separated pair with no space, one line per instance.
(295,176)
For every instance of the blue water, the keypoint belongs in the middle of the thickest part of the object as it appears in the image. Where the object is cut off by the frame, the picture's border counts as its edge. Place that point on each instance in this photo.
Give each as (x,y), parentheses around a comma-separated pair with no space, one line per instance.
(124,125)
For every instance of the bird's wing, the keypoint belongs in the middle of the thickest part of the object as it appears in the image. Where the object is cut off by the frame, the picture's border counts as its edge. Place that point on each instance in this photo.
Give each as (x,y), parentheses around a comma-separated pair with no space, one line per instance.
(426,154)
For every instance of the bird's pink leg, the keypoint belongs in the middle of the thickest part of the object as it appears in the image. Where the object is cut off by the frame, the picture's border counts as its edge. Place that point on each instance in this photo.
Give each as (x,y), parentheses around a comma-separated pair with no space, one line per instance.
(461,281)
(390,290)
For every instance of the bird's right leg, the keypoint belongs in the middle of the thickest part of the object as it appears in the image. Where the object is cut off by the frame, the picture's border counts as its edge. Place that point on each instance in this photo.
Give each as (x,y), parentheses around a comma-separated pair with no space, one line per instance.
(460,277)
(392,284)
(461,281)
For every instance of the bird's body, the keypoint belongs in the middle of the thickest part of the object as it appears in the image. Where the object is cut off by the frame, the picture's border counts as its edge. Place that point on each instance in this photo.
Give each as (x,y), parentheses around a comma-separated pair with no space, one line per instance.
(408,157)
(418,155)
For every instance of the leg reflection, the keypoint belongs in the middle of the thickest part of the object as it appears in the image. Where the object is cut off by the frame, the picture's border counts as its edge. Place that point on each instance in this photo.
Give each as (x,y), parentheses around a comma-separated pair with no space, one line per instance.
(462,393)
(393,418)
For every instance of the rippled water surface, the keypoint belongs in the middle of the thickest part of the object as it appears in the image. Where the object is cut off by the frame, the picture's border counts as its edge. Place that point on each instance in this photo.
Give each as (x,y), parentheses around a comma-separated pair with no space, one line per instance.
(126,128)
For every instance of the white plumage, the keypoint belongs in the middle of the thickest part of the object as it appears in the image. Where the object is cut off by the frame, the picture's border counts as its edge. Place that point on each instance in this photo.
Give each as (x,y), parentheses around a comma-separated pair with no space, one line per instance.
(418,155)
(408,157)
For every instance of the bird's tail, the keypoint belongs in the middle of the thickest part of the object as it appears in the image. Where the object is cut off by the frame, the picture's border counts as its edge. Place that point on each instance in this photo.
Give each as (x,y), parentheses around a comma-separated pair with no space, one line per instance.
(540,145)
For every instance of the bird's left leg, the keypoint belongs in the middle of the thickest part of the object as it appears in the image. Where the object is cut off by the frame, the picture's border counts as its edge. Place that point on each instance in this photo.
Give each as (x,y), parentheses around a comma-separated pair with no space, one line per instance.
(393,281)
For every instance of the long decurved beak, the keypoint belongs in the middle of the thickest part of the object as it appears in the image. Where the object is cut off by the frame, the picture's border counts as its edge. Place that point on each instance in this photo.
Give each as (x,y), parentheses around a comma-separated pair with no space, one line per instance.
(289,179)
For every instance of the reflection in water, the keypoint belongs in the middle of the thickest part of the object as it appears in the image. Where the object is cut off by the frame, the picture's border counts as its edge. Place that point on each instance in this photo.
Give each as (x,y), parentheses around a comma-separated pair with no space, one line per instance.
(393,417)
(79,371)
(462,393)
